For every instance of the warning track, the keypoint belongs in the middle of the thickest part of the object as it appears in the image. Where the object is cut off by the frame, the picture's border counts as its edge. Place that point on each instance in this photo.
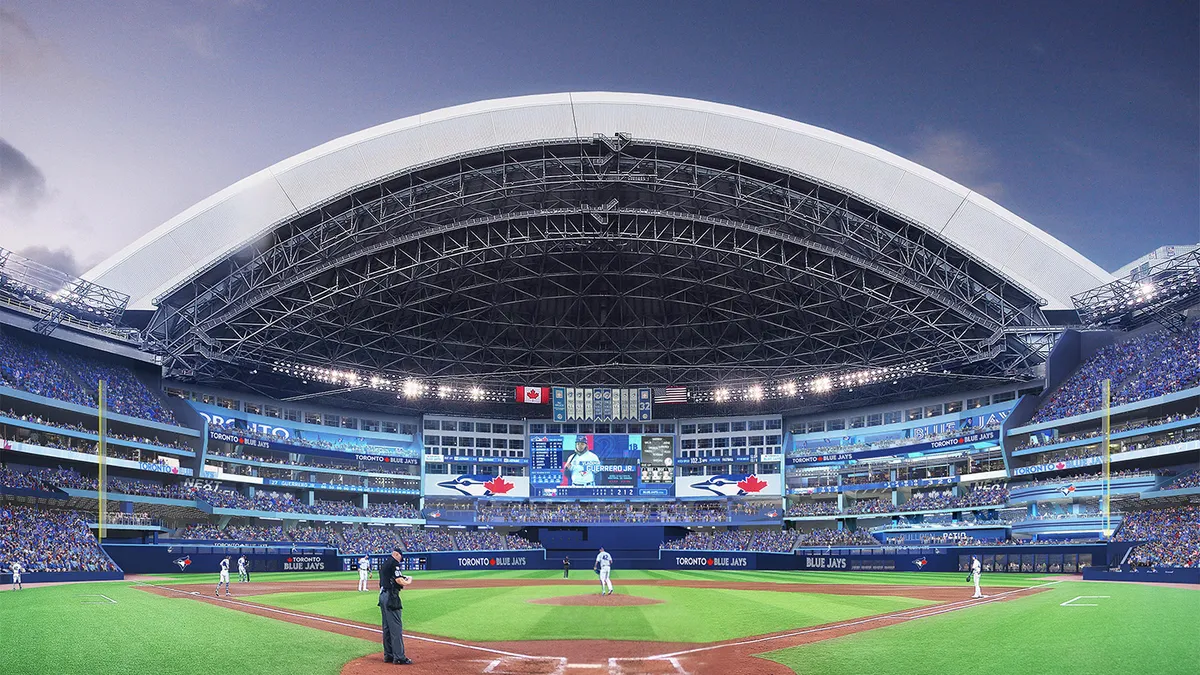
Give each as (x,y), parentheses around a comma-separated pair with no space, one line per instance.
(433,654)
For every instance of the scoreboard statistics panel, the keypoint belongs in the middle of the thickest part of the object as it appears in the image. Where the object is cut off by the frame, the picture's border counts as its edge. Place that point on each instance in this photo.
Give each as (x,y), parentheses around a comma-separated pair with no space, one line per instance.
(600,465)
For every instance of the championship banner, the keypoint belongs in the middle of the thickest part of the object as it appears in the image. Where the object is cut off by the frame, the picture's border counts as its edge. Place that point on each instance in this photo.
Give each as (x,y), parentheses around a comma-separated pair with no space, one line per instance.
(600,404)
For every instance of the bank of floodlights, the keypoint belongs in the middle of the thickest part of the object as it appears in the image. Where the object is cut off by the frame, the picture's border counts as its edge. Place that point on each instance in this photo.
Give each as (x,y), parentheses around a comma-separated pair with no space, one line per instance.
(409,388)
(1148,293)
(814,386)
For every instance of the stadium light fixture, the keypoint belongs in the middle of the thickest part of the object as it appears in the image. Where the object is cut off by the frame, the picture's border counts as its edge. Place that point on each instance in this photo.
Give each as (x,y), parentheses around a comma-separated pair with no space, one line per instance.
(755,393)
(412,388)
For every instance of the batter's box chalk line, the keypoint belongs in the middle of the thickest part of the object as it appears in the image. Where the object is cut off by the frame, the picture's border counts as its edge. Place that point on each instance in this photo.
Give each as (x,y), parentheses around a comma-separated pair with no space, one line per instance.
(670,665)
(106,601)
(1072,603)
(556,665)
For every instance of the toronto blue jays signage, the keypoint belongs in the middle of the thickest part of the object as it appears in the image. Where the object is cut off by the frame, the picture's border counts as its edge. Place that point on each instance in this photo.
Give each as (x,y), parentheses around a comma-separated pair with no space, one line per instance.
(476,485)
(827,454)
(729,485)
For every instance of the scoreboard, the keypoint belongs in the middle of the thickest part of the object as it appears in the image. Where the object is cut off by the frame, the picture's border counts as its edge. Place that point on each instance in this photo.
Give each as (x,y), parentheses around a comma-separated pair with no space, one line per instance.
(567,466)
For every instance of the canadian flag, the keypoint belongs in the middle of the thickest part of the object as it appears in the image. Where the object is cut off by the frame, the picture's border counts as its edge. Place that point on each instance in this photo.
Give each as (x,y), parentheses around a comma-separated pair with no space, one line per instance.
(533,394)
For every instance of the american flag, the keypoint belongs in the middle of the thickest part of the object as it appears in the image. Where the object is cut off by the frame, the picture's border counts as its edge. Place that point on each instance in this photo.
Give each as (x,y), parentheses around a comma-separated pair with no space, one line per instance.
(670,395)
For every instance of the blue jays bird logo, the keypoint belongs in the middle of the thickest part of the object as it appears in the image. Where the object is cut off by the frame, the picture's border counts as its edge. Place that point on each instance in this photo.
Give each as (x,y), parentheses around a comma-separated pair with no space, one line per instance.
(921,562)
(732,486)
(183,563)
(478,485)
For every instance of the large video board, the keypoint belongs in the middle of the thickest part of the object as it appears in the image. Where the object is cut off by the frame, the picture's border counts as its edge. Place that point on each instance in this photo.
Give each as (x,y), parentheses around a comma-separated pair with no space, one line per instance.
(567,466)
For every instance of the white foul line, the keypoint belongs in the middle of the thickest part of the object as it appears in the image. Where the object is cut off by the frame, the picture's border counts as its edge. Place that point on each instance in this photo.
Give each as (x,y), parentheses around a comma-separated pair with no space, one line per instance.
(1082,604)
(363,628)
(939,609)
(97,602)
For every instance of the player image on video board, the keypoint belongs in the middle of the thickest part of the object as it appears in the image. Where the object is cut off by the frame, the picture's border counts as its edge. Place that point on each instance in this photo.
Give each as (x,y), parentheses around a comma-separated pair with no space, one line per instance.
(582,465)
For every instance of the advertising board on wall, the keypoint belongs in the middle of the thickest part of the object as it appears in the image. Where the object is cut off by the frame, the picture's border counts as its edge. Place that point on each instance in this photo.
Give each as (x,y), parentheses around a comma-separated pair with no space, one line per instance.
(475,485)
(730,485)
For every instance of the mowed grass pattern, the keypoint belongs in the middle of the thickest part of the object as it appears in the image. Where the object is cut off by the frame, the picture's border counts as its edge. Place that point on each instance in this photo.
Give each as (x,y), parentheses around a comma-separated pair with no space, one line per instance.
(53,629)
(1138,629)
(686,614)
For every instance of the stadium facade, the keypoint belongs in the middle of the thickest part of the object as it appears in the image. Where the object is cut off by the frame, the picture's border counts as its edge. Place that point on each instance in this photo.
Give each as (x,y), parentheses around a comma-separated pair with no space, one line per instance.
(510,331)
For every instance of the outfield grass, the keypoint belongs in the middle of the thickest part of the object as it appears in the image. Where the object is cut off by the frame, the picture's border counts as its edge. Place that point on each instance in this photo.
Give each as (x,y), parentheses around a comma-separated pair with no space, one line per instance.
(686,614)
(890,578)
(1138,629)
(51,630)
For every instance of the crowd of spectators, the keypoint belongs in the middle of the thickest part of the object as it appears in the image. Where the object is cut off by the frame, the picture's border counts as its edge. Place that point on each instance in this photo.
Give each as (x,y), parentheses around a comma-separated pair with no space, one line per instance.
(392,510)
(766,541)
(421,541)
(835,537)
(1123,445)
(258,533)
(846,446)
(30,368)
(1171,536)
(49,540)
(605,512)
(826,507)
(1133,425)
(871,506)
(113,437)
(71,378)
(124,393)
(1140,368)
(359,540)
(311,462)
(1192,480)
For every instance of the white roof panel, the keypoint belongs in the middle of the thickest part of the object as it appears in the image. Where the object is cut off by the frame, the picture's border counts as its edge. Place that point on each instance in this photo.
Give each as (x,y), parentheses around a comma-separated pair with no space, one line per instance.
(218,226)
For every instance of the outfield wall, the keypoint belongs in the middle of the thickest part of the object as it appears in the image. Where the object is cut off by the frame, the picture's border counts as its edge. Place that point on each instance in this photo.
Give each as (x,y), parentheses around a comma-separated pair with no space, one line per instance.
(60,577)
(206,559)
(1186,575)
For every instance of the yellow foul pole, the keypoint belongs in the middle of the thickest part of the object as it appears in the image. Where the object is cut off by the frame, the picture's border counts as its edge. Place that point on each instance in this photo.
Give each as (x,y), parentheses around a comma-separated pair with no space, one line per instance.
(1107,394)
(102,475)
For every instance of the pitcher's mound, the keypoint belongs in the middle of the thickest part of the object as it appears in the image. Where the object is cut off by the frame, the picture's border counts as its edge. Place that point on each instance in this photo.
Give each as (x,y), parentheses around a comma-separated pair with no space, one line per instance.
(597,600)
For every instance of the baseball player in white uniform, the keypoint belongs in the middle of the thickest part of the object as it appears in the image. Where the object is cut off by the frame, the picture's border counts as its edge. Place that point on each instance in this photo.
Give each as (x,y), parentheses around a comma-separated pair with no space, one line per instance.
(242,576)
(364,571)
(16,572)
(604,567)
(583,465)
(975,569)
(223,579)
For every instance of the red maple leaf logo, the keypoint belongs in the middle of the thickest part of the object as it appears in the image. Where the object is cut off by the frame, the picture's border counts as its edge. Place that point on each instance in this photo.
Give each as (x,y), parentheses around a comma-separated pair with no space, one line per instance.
(498,485)
(710,562)
(1060,465)
(492,561)
(752,484)
(289,560)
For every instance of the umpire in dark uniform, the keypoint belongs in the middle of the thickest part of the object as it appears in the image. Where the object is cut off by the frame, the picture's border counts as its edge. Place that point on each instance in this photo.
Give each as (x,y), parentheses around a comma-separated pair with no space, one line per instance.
(391,582)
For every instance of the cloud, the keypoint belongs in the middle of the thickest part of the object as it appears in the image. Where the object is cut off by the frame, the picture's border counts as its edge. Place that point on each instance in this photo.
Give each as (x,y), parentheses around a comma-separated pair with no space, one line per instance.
(958,156)
(61,259)
(20,179)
